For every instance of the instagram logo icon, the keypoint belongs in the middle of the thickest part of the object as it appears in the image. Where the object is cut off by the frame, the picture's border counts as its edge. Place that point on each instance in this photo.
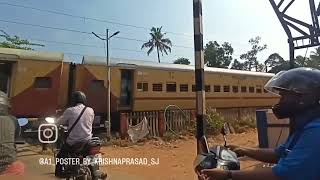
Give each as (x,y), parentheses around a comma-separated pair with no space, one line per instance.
(48,133)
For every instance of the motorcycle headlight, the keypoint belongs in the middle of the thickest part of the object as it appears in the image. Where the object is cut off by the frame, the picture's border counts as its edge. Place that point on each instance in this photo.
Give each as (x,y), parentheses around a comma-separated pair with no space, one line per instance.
(50,120)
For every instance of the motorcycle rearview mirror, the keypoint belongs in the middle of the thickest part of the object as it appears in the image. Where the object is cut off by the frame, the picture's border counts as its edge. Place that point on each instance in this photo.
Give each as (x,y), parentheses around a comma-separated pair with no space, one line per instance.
(23,121)
(225,130)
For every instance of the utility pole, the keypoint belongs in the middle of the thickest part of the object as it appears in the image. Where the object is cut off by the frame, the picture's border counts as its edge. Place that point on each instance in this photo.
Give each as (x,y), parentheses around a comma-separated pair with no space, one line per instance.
(199,74)
(108,122)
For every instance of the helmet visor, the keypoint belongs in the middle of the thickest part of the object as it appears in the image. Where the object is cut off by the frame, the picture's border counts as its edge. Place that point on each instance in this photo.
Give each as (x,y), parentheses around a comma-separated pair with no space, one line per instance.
(294,82)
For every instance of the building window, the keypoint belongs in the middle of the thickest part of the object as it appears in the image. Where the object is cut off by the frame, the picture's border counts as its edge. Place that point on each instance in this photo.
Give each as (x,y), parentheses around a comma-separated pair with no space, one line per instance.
(157,87)
(97,85)
(142,86)
(43,82)
(217,88)
(251,89)
(207,88)
(184,88)
(259,89)
(243,89)
(171,87)
(226,88)
(235,89)
(193,88)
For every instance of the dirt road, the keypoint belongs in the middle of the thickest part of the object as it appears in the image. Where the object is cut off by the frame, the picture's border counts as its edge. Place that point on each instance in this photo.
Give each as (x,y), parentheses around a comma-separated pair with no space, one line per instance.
(175,159)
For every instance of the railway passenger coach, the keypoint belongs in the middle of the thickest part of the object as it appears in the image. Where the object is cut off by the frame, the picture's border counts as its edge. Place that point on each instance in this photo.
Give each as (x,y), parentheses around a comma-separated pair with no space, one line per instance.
(39,83)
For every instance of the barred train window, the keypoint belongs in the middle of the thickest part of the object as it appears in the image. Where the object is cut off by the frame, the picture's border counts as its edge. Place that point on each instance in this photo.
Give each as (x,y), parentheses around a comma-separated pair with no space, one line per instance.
(251,89)
(235,89)
(142,86)
(193,88)
(259,89)
(243,89)
(43,82)
(226,88)
(157,87)
(207,88)
(97,84)
(217,88)
(171,87)
(184,88)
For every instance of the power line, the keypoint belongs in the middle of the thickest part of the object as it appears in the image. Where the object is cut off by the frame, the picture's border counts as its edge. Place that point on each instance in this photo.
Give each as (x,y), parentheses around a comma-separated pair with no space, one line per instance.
(83,45)
(88,45)
(86,18)
(190,36)
(77,31)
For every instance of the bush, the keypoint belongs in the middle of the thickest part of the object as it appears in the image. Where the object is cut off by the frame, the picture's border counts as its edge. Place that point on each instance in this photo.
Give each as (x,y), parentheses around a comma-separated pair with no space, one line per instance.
(243,124)
(215,121)
(169,136)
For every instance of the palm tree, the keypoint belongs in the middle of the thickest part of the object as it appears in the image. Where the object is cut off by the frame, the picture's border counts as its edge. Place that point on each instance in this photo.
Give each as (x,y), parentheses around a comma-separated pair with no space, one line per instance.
(158,41)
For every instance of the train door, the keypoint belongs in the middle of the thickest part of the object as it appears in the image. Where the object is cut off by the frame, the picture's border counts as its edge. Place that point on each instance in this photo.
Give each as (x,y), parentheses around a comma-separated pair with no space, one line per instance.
(126,93)
(5,77)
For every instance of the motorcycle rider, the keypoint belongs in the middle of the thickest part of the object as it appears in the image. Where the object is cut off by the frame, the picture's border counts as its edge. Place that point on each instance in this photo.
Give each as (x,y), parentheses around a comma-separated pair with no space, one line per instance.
(298,158)
(82,131)
(8,131)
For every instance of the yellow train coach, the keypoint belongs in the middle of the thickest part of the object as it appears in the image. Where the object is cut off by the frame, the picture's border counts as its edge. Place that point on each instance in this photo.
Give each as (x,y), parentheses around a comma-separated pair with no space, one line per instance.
(147,86)
(39,83)
(36,82)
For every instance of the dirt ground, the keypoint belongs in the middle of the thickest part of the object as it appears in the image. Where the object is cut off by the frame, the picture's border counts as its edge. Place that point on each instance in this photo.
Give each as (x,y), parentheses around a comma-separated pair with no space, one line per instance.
(175,158)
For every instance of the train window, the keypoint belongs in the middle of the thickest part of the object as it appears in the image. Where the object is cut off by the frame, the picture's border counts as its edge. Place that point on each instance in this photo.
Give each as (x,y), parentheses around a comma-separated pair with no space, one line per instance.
(97,84)
(235,89)
(145,86)
(193,88)
(251,89)
(142,86)
(226,88)
(259,89)
(43,82)
(207,88)
(171,87)
(184,88)
(217,88)
(157,87)
(243,89)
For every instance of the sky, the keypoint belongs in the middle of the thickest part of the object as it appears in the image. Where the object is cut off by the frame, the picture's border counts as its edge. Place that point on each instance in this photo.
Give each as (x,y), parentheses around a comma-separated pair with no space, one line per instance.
(233,21)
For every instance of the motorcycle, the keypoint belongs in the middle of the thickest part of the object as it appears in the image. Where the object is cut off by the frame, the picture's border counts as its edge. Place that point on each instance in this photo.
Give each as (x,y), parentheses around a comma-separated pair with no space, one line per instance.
(217,156)
(88,155)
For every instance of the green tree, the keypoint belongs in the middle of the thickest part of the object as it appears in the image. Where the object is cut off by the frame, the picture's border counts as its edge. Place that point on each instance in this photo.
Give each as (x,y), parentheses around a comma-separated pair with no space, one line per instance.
(182,61)
(238,65)
(163,45)
(216,55)
(300,61)
(251,56)
(314,60)
(15,42)
(260,67)
(274,60)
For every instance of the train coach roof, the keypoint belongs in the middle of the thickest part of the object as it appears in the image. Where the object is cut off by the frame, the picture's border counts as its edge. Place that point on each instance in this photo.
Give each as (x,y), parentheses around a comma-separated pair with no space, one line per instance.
(16,54)
(95,60)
